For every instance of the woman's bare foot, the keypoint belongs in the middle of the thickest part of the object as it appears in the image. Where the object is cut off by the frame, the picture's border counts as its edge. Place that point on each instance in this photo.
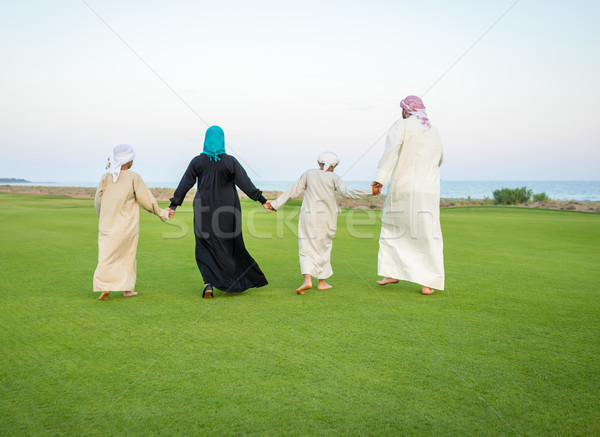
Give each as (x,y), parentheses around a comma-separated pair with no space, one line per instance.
(427,290)
(302,289)
(129,293)
(324,285)
(104,295)
(387,280)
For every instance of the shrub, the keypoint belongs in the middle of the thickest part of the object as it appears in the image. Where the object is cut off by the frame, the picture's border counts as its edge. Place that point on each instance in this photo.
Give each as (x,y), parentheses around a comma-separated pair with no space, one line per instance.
(540,197)
(512,196)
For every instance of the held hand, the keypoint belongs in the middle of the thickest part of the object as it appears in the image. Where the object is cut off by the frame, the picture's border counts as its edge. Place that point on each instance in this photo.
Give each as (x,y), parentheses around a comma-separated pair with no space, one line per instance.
(267,205)
(171,213)
(376,187)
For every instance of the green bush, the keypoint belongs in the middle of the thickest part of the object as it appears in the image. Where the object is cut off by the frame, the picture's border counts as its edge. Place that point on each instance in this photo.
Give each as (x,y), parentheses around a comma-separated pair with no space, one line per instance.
(512,196)
(540,197)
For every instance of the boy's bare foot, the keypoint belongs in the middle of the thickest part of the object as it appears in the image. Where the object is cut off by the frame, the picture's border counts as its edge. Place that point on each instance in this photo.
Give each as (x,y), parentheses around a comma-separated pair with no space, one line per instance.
(302,289)
(129,293)
(324,285)
(104,295)
(387,280)
(427,290)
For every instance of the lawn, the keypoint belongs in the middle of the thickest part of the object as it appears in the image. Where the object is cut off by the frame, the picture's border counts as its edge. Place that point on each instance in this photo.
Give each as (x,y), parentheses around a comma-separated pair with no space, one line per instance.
(512,347)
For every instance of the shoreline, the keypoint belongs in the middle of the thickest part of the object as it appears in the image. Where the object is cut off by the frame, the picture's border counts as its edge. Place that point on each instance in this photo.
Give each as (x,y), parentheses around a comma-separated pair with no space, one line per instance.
(164,194)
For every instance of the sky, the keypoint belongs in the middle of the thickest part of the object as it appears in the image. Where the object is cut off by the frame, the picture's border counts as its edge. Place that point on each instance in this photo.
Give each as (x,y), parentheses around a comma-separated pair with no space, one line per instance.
(514,100)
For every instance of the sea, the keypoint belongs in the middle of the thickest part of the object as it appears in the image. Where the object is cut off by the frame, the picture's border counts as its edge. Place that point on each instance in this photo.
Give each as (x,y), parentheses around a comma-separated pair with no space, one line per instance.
(556,190)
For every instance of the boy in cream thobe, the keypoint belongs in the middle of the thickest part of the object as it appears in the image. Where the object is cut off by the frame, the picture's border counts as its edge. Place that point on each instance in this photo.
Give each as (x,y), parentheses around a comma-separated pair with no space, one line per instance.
(317,222)
(117,203)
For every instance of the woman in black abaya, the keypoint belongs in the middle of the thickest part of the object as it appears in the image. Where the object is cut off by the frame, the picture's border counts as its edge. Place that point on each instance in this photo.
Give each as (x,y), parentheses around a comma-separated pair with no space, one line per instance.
(221,254)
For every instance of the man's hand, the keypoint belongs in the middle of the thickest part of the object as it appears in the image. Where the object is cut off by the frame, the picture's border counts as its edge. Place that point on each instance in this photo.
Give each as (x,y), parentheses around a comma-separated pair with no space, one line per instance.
(376,187)
(268,207)
(171,213)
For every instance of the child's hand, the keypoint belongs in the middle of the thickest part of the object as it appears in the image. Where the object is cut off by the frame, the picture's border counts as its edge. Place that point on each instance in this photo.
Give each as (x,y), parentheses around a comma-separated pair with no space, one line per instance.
(171,213)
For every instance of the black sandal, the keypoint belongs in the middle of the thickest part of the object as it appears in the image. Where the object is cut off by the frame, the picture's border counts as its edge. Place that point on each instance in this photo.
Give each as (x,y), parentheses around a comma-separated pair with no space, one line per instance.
(208,292)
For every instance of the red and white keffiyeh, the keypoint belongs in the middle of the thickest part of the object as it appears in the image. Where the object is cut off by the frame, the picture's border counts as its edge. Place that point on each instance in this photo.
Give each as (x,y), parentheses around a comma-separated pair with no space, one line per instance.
(414,106)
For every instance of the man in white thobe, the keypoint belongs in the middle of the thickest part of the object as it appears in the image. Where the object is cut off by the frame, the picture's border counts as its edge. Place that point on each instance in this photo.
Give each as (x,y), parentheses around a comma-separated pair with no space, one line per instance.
(410,245)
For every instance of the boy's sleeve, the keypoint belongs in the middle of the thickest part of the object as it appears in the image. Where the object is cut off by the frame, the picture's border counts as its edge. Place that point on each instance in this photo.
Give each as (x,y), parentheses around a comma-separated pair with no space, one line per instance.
(295,190)
(350,193)
(146,200)
(99,194)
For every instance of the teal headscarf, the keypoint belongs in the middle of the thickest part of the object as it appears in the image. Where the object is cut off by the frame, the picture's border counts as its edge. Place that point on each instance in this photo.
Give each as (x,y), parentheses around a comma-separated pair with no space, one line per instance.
(214,143)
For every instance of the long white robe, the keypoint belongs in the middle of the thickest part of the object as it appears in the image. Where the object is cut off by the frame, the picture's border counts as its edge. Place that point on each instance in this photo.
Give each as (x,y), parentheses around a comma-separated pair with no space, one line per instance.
(411,245)
(317,222)
(118,228)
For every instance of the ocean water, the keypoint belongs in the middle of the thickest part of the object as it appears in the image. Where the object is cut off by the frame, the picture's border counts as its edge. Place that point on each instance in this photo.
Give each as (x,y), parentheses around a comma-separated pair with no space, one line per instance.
(557,190)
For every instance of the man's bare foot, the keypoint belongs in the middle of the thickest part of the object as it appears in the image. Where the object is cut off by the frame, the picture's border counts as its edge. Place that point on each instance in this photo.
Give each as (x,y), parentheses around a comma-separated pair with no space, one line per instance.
(324,285)
(302,289)
(387,280)
(104,295)
(427,290)
(129,293)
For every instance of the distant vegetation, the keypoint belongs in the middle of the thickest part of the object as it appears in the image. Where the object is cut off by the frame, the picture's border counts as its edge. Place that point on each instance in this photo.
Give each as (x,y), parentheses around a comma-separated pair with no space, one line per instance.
(540,197)
(12,180)
(515,196)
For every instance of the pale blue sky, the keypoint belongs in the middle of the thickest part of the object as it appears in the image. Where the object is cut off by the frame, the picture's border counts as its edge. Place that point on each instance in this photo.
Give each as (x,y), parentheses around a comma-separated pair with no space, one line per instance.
(287,80)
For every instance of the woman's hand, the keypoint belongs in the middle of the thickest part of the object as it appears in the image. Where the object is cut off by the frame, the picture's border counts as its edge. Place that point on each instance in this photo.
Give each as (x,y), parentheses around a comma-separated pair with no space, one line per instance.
(268,207)
(171,213)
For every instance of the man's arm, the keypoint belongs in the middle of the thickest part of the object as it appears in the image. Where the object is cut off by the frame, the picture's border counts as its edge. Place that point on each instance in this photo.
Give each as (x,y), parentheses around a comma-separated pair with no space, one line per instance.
(393,145)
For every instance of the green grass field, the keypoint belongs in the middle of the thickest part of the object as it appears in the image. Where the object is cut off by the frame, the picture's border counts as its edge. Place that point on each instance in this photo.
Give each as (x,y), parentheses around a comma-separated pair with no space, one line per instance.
(512,347)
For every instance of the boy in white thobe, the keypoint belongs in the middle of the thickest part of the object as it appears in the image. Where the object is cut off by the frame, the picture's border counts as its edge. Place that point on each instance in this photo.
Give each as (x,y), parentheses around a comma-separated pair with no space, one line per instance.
(317,222)
(411,245)
(118,197)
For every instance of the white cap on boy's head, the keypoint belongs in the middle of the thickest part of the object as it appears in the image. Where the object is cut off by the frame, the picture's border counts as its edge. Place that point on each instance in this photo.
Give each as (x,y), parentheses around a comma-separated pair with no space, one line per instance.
(122,154)
(328,159)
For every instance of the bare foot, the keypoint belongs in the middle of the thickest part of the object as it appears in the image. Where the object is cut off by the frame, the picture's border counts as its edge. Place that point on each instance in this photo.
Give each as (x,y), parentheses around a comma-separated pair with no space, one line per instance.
(427,290)
(387,280)
(302,289)
(129,293)
(104,295)
(324,285)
